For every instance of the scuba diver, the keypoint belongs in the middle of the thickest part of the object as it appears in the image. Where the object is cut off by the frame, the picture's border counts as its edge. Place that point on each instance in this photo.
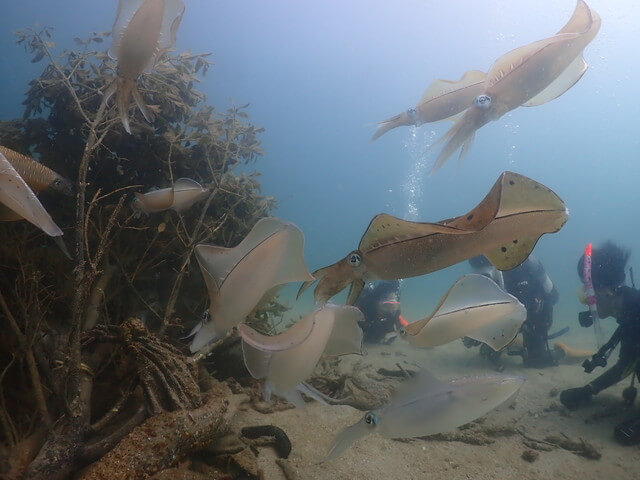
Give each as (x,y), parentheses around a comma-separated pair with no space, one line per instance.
(379,302)
(602,272)
(531,285)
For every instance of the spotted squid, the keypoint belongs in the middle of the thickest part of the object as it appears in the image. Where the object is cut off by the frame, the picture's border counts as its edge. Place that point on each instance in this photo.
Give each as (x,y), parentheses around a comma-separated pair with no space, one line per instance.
(504,227)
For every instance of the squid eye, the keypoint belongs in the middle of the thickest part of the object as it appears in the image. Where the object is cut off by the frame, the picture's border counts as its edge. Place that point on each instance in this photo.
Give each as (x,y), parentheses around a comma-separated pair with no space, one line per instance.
(482,101)
(371,418)
(354,259)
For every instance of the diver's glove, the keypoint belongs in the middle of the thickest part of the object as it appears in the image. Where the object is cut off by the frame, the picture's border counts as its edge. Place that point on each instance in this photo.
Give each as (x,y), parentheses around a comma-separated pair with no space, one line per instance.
(628,433)
(572,398)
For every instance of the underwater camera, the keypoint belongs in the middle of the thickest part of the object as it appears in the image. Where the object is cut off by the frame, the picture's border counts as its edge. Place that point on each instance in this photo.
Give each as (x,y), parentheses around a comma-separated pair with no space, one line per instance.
(598,360)
(585,318)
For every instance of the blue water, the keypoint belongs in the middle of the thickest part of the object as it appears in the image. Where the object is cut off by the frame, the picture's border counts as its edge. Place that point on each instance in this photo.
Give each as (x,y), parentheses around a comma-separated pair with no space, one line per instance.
(319,75)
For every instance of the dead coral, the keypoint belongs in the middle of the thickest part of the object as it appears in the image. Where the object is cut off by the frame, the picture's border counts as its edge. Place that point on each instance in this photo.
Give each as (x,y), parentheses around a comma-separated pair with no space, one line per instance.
(577,447)
(476,433)
(356,388)
(164,439)
(168,381)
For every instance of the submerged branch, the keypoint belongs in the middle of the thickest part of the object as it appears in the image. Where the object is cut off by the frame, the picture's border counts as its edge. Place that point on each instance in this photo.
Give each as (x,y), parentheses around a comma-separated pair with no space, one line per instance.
(31,363)
(177,284)
(163,440)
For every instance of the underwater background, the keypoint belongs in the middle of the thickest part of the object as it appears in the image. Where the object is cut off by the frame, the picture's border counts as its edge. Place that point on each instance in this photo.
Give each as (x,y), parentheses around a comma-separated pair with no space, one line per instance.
(319,75)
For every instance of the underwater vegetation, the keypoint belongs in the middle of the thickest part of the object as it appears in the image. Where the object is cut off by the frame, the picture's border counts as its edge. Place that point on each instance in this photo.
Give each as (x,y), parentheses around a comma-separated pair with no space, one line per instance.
(91,347)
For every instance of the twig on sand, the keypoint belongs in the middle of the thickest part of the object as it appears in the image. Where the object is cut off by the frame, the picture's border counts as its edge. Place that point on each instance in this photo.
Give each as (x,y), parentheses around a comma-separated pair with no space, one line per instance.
(287,469)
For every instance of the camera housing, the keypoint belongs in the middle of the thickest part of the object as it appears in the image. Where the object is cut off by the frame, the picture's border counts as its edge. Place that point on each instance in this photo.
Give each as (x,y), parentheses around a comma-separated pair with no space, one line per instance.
(585,318)
(596,361)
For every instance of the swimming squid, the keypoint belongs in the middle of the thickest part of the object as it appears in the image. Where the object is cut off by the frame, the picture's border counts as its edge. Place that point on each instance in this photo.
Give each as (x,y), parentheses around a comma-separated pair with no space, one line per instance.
(504,227)
(238,278)
(286,360)
(529,75)
(35,174)
(476,307)
(444,99)
(425,405)
(184,193)
(21,202)
(143,29)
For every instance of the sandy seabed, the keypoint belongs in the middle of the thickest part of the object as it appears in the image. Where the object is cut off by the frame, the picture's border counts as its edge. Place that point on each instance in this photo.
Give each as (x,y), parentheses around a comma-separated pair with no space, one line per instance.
(536,411)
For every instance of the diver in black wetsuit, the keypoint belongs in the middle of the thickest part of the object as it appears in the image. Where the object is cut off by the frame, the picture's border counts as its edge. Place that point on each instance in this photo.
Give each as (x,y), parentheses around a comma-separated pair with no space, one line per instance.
(379,302)
(613,299)
(531,285)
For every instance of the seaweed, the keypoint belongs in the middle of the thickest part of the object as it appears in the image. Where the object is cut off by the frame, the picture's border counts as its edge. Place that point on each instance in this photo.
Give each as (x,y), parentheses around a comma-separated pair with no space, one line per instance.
(113,315)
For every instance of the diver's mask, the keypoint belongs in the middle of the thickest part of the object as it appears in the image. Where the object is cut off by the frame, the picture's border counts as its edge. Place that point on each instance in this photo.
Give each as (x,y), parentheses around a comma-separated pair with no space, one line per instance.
(390,308)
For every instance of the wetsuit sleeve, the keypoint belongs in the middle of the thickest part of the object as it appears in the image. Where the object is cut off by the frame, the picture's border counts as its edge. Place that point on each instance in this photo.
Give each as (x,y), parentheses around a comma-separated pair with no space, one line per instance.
(608,378)
(629,358)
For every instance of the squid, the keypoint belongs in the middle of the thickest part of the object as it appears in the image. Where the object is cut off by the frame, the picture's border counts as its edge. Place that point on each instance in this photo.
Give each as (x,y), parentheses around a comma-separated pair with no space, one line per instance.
(19,201)
(184,193)
(238,278)
(287,359)
(504,227)
(476,307)
(444,99)
(529,75)
(426,406)
(143,29)
(35,174)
